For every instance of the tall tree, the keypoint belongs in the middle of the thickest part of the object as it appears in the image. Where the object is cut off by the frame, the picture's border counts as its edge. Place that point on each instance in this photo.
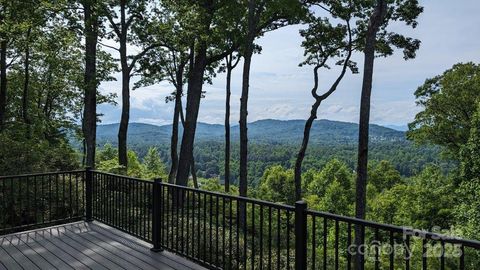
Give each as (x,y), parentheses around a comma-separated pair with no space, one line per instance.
(323,41)
(252,21)
(127,20)
(231,62)
(378,39)
(207,30)
(449,103)
(262,16)
(168,64)
(91,24)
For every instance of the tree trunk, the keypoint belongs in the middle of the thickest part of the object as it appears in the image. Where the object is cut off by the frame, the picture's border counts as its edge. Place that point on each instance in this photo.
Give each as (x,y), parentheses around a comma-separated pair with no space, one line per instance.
(178,111)
(123,128)
(3,81)
(90,78)
(244,99)
(174,139)
(313,112)
(376,21)
(26,81)
(303,150)
(193,171)
(227,126)
(194,94)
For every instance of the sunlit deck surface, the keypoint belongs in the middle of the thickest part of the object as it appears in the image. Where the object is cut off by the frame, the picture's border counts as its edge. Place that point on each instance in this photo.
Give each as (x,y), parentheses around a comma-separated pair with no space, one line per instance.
(83,245)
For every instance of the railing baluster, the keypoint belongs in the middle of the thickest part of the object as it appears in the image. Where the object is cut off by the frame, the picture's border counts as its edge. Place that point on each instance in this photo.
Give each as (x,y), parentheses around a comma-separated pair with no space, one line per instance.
(253,237)
(205,227)
(193,224)
(230,235)
(462,257)
(210,213)
(216,231)
(261,237)
(199,231)
(314,234)
(188,223)
(424,254)
(325,243)
(182,217)
(270,237)
(278,238)
(76,196)
(349,243)
(35,202)
(224,234)
(288,239)
(407,252)
(238,235)
(57,198)
(63,193)
(442,256)
(157,220)
(392,251)
(377,250)
(27,192)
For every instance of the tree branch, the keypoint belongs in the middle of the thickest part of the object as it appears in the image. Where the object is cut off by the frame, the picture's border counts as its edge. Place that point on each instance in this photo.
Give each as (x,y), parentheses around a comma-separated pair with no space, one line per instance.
(112,23)
(108,46)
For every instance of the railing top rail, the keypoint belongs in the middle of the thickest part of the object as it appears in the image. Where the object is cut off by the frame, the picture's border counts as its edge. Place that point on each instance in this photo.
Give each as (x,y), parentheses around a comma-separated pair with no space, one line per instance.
(235,197)
(123,176)
(39,174)
(399,229)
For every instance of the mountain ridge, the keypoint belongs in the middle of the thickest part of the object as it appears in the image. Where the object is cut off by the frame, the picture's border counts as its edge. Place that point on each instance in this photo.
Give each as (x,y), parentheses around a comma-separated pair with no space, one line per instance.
(266,130)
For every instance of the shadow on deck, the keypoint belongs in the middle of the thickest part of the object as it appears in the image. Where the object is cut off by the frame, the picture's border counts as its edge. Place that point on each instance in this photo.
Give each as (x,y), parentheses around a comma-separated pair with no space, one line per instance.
(83,245)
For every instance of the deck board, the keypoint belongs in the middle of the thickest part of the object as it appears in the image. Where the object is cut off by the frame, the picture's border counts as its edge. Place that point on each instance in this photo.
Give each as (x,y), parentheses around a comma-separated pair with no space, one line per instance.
(83,245)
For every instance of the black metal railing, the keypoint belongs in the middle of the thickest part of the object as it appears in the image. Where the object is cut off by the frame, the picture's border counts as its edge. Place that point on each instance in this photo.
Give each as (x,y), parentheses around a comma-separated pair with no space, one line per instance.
(226,232)
(39,200)
(222,231)
(331,245)
(124,203)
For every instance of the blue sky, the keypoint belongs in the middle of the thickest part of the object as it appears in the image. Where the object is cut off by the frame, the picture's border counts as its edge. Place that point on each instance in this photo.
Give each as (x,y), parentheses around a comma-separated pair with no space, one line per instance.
(279,89)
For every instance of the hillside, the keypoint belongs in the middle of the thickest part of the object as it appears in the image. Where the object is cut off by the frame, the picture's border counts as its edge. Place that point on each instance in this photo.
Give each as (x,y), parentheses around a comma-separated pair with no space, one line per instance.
(263,131)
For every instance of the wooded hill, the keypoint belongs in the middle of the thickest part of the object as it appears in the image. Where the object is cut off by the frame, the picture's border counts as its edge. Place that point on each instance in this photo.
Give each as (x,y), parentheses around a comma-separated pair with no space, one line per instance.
(275,142)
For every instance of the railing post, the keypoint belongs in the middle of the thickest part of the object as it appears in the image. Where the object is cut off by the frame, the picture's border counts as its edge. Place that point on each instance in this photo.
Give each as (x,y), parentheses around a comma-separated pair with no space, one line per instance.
(156,212)
(300,235)
(88,194)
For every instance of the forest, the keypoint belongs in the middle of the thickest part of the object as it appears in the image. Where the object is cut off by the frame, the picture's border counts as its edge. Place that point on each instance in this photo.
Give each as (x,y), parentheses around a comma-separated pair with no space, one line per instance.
(55,54)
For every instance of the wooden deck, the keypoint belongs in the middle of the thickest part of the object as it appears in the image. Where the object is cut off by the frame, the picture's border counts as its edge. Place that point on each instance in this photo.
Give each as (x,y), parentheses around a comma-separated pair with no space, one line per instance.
(83,245)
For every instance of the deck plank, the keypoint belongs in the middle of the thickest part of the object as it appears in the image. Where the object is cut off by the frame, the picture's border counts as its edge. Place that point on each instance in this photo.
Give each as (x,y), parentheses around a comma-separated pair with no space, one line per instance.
(115,248)
(73,257)
(57,262)
(81,245)
(104,255)
(140,246)
(22,260)
(6,260)
(34,255)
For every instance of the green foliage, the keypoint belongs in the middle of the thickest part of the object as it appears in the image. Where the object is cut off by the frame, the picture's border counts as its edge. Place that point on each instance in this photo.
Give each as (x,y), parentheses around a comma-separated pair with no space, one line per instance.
(467,211)
(277,185)
(152,166)
(383,176)
(449,101)
(423,201)
(20,155)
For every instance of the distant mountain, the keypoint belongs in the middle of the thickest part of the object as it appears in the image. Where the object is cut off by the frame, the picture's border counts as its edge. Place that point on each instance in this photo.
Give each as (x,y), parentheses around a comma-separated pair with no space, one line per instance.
(398,127)
(263,131)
